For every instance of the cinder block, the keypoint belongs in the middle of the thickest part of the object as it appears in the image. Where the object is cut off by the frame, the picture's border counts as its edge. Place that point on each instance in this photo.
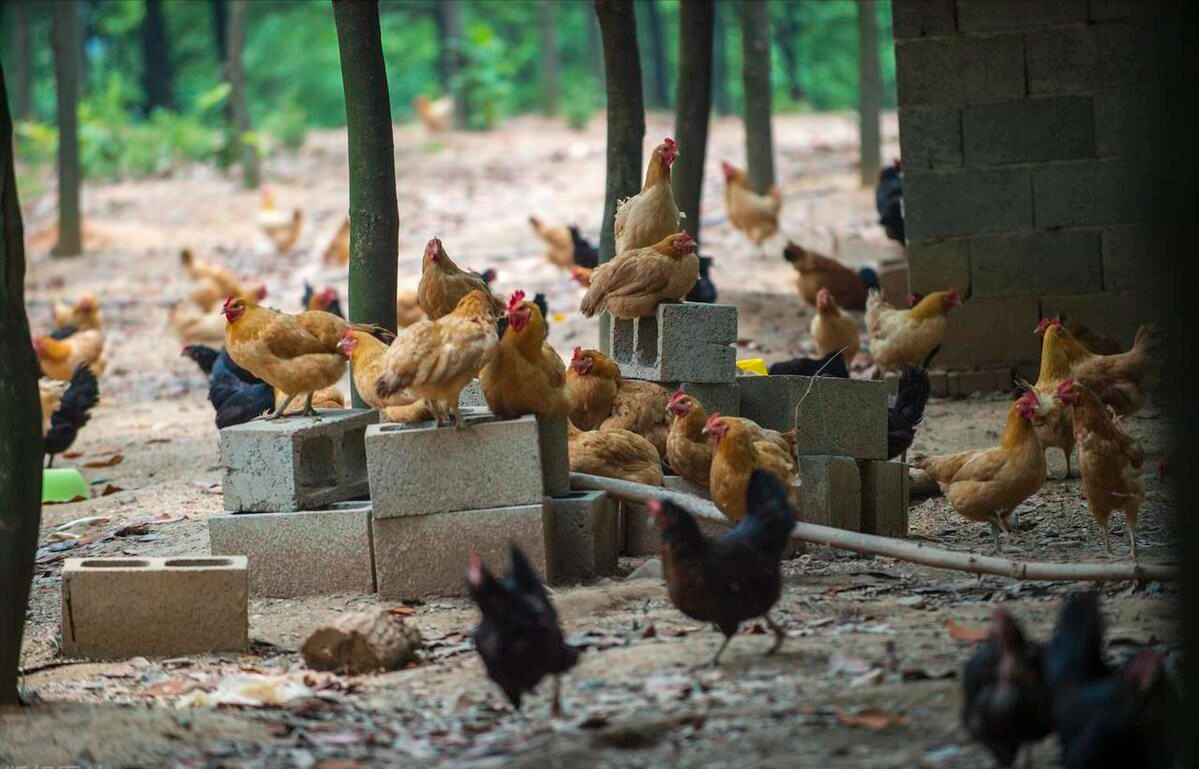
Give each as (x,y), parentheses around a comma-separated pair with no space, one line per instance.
(985,332)
(937,266)
(555,456)
(418,556)
(1038,263)
(831,492)
(1029,130)
(1130,261)
(1001,380)
(1124,121)
(472,396)
(419,469)
(297,463)
(893,279)
(967,202)
(885,498)
(725,398)
(930,137)
(842,417)
(585,535)
(891,380)
(922,18)
(154,607)
(953,384)
(938,382)
(995,15)
(770,400)
(1105,10)
(311,552)
(642,537)
(1102,192)
(957,70)
(1086,58)
(682,342)
(1113,314)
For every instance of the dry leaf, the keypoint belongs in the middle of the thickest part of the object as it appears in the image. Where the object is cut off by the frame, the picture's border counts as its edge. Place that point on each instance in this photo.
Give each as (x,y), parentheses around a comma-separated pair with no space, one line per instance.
(111,488)
(72,454)
(401,611)
(872,719)
(965,632)
(115,459)
(158,440)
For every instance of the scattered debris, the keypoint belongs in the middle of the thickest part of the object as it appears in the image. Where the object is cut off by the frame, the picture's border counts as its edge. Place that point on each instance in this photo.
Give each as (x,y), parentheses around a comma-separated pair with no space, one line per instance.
(363,642)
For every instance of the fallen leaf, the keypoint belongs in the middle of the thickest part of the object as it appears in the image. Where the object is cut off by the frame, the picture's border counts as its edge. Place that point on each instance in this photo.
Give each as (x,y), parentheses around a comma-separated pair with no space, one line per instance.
(650,631)
(72,454)
(401,611)
(965,632)
(158,440)
(115,459)
(66,501)
(111,488)
(164,518)
(872,719)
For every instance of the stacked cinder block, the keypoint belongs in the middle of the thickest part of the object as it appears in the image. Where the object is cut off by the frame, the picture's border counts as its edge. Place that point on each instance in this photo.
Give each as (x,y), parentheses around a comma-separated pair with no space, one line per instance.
(1022,130)
(963,384)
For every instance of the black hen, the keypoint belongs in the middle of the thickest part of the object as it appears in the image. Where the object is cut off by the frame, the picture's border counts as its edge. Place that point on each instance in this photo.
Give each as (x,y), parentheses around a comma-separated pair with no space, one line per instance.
(888,198)
(328,301)
(518,637)
(736,577)
(1107,718)
(237,395)
(64,332)
(1007,700)
(704,289)
(203,355)
(906,411)
(81,395)
(832,365)
(585,254)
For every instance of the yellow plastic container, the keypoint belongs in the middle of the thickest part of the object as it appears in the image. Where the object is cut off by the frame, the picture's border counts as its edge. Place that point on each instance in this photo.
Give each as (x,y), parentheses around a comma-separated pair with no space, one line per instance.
(753,366)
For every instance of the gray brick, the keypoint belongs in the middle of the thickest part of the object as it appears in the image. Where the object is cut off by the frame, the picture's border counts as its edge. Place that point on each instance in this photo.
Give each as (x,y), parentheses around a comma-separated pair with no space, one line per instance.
(642,537)
(953,384)
(418,469)
(930,137)
(1124,122)
(1113,314)
(1092,192)
(1064,262)
(831,492)
(1085,58)
(842,417)
(311,552)
(116,608)
(420,556)
(585,536)
(770,400)
(472,396)
(955,71)
(938,382)
(1029,130)
(725,398)
(1129,259)
(1105,10)
(937,266)
(555,456)
(970,202)
(682,342)
(922,18)
(885,498)
(995,15)
(296,463)
(893,279)
(984,332)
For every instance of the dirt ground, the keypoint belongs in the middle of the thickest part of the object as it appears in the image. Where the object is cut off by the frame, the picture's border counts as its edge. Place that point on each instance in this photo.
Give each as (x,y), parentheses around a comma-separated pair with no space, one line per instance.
(868,676)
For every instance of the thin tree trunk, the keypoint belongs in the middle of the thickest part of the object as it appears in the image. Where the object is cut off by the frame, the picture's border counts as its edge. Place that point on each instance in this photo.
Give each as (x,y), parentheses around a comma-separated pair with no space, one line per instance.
(787,37)
(156,58)
(374,216)
(870,92)
(755,73)
(20,423)
(66,77)
(654,79)
(696,19)
(720,62)
(22,57)
(83,30)
(452,47)
(445,64)
(220,23)
(549,57)
(235,40)
(594,42)
(626,120)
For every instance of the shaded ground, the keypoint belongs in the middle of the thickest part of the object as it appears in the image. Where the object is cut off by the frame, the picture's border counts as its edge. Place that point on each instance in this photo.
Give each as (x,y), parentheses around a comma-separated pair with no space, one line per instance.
(867,679)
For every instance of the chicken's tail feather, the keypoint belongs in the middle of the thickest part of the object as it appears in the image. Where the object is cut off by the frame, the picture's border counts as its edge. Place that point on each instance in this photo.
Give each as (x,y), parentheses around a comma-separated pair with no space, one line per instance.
(73,410)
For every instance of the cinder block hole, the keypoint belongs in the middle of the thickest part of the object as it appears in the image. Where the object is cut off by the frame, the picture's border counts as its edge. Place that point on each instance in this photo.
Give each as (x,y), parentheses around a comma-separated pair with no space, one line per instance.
(91,563)
(183,563)
(647,340)
(318,463)
(573,495)
(351,463)
(622,339)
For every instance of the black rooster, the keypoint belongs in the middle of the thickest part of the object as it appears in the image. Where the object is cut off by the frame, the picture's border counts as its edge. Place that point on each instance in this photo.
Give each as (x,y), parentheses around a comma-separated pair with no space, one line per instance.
(906,410)
(704,289)
(888,198)
(518,637)
(237,395)
(585,254)
(81,395)
(832,365)
(734,578)
(203,355)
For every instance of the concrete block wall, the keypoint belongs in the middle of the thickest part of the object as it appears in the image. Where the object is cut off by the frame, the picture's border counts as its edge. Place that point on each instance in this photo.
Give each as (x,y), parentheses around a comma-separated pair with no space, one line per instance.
(1024,130)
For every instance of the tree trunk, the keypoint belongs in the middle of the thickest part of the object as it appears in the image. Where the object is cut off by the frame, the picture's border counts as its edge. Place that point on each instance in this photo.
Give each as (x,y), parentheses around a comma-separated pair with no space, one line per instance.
(220,25)
(787,37)
(445,63)
(654,79)
(452,52)
(626,120)
(870,92)
(549,57)
(696,19)
(64,31)
(156,58)
(22,58)
(374,216)
(755,73)
(235,40)
(20,423)
(593,41)
(721,101)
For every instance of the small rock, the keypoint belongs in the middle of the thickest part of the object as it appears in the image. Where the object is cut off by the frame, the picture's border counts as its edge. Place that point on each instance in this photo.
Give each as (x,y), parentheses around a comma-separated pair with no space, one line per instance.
(911,601)
(651,569)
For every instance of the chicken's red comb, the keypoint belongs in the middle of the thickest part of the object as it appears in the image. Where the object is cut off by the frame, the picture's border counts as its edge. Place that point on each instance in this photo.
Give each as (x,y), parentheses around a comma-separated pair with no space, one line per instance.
(669,142)
(228,301)
(678,394)
(712,420)
(654,505)
(823,293)
(261,293)
(1065,386)
(577,353)
(474,569)
(514,301)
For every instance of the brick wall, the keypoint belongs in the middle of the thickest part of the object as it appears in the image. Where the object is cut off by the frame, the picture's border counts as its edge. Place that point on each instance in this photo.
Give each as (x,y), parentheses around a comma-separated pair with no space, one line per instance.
(1024,129)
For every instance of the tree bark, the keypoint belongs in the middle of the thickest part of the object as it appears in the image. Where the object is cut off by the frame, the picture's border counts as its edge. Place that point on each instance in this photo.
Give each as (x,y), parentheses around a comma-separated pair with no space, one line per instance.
(696,19)
(787,37)
(64,31)
(22,58)
(452,52)
(549,57)
(654,77)
(374,216)
(220,25)
(870,92)
(235,40)
(156,58)
(755,73)
(594,42)
(721,101)
(20,423)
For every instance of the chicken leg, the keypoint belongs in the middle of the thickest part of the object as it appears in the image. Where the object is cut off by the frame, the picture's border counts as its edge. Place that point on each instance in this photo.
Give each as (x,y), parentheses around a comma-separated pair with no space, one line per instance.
(556,703)
(779,634)
(1107,541)
(278,412)
(1131,524)
(996,527)
(309,411)
(716,660)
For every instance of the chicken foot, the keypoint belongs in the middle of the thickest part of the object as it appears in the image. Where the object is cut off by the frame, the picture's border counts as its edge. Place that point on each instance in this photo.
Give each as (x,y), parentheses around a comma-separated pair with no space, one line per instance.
(556,702)
(715,662)
(278,412)
(309,411)
(1130,524)
(779,634)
